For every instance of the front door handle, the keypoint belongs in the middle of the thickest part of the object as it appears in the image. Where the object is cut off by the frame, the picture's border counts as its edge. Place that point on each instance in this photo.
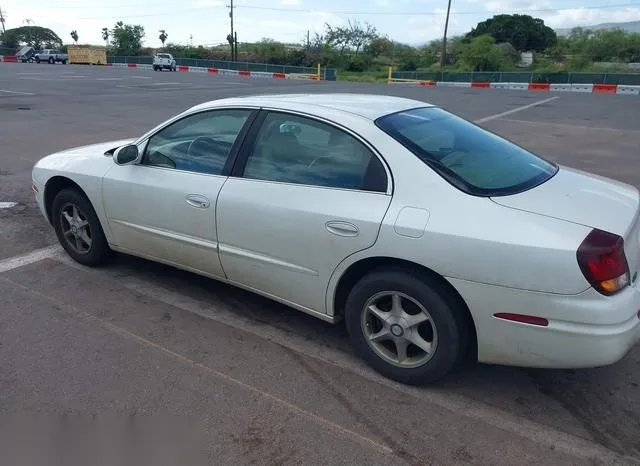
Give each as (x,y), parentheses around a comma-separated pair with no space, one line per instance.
(342,228)
(196,200)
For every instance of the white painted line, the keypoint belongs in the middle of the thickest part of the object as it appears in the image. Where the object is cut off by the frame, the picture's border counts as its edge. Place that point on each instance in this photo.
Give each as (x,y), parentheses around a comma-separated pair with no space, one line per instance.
(594,128)
(16,92)
(7,205)
(29,258)
(73,76)
(109,79)
(140,77)
(514,110)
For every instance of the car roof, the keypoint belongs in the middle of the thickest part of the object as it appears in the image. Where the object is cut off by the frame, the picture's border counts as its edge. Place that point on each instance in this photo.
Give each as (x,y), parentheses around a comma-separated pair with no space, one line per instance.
(370,106)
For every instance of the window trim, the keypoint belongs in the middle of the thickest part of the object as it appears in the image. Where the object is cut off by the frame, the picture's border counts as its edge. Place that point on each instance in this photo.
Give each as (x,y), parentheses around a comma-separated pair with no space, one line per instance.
(249,143)
(143,142)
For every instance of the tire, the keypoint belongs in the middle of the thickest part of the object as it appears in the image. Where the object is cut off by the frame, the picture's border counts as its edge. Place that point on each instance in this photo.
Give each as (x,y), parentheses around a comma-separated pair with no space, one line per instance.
(445,326)
(37,59)
(51,60)
(98,252)
(64,62)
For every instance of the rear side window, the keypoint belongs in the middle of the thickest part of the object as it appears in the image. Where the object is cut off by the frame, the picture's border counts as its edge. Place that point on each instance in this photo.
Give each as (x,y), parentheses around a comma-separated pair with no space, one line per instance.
(469,157)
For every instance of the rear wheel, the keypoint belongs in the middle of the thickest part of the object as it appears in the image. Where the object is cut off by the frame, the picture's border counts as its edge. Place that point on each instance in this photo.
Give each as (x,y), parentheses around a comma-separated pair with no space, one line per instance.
(78,228)
(406,327)
(51,60)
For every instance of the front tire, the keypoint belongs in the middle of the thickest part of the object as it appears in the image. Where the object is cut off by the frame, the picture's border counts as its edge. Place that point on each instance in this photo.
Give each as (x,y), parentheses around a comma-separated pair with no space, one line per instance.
(51,60)
(405,326)
(78,228)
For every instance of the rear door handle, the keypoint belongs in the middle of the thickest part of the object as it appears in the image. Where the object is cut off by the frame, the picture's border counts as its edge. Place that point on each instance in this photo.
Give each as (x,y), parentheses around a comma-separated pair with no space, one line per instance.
(342,228)
(196,200)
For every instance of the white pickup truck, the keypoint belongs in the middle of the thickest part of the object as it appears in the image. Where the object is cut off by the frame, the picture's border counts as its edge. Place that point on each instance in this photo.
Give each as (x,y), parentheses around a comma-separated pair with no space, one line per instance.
(163,61)
(51,56)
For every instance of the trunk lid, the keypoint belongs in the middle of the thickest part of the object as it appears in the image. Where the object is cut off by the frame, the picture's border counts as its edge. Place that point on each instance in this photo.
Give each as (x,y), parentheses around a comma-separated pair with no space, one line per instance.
(587,199)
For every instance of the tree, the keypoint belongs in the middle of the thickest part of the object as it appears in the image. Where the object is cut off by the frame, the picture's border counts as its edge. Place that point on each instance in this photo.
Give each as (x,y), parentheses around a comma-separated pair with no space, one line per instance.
(34,36)
(74,36)
(105,35)
(126,39)
(522,31)
(483,54)
(163,36)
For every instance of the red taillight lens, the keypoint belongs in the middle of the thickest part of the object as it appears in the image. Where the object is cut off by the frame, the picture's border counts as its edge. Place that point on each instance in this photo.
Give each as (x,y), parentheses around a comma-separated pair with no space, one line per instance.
(603,263)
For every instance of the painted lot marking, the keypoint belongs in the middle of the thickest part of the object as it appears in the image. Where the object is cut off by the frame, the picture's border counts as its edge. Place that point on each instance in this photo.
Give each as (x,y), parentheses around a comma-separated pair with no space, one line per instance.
(29,258)
(594,128)
(109,79)
(141,77)
(7,205)
(515,110)
(5,91)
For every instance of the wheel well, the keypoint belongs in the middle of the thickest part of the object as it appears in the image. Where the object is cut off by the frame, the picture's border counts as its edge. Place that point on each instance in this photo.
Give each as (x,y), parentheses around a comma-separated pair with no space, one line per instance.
(361,268)
(51,190)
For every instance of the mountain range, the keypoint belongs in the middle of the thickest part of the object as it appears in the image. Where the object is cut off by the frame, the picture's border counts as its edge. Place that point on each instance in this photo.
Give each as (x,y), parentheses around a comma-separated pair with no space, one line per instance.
(631,26)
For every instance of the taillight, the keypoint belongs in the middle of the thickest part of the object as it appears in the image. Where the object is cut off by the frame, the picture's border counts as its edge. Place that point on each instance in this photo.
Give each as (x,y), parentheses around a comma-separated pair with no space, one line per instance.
(602,261)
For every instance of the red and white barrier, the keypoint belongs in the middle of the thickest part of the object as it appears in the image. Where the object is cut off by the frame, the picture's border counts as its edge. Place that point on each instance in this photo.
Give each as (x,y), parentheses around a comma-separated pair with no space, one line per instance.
(533,87)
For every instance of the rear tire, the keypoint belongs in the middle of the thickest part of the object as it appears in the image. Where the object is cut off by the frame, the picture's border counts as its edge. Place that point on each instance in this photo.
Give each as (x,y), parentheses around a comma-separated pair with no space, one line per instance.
(78,228)
(389,312)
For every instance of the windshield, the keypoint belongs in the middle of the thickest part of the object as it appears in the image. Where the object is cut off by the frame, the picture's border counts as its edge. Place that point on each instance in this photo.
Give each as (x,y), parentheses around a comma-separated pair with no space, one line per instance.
(469,157)
(163,55)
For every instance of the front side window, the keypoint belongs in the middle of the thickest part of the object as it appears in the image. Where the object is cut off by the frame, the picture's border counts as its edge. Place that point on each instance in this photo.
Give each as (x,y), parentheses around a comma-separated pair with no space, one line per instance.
(293,149)
(469,157)
(199,143)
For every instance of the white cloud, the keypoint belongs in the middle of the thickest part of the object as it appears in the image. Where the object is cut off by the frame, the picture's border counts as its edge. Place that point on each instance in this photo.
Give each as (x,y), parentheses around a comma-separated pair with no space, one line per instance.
(289,2)
(586,17)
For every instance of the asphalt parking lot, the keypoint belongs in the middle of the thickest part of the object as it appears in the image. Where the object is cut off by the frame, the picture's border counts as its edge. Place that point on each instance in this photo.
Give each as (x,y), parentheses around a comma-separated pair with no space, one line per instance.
(269,385)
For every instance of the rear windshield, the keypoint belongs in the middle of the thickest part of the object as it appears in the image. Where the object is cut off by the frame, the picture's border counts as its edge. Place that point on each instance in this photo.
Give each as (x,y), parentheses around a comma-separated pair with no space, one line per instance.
(469,157)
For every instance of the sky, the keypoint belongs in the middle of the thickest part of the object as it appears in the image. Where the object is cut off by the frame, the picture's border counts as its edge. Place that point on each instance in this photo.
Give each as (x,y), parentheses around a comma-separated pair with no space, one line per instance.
(206,22)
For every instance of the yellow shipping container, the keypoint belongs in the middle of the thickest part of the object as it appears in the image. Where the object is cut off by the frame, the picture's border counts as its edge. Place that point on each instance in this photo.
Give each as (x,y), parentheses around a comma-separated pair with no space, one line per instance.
(87,55)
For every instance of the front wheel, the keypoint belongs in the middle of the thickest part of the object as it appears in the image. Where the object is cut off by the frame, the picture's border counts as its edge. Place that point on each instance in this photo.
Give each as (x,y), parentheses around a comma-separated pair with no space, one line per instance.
(51,60)
(78,228)
(404,326)
(37,59)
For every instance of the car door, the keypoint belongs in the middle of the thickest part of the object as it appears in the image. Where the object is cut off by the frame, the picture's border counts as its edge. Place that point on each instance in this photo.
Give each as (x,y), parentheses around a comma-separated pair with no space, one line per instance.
(163,208)
(307,196)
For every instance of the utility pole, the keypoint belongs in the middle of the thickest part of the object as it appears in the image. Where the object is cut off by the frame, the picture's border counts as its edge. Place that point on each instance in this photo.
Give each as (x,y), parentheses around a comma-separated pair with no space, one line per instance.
(232,36)
(2,20)
(443,57)
(308,41)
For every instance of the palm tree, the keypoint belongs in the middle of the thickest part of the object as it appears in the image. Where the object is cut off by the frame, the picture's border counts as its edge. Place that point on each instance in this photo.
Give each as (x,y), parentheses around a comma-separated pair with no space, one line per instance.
(163,36)
(74,36)
(105,35)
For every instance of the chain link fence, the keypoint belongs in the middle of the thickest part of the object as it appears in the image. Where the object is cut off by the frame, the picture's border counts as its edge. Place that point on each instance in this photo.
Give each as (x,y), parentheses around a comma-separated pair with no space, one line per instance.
(629,79)
(328,73)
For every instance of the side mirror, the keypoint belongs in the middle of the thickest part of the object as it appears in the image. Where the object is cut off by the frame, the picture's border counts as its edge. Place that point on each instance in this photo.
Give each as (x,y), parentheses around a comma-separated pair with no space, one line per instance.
(126,155)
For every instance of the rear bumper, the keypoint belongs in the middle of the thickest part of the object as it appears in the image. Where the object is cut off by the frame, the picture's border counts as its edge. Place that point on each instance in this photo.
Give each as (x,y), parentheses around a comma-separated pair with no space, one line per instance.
(585,330)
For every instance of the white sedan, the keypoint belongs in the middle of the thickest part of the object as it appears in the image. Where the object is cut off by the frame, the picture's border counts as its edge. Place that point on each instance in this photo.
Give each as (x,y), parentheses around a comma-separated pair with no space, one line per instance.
(432,238)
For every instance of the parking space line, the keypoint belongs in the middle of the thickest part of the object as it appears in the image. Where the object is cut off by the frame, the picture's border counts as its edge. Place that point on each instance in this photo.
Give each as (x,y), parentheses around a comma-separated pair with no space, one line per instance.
(595,128)
(29,258)
(514,110)
(16,92)
(126,334)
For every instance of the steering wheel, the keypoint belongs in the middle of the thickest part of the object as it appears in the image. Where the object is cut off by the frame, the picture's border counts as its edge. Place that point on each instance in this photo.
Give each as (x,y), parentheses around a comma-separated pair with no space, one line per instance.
(199,140)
